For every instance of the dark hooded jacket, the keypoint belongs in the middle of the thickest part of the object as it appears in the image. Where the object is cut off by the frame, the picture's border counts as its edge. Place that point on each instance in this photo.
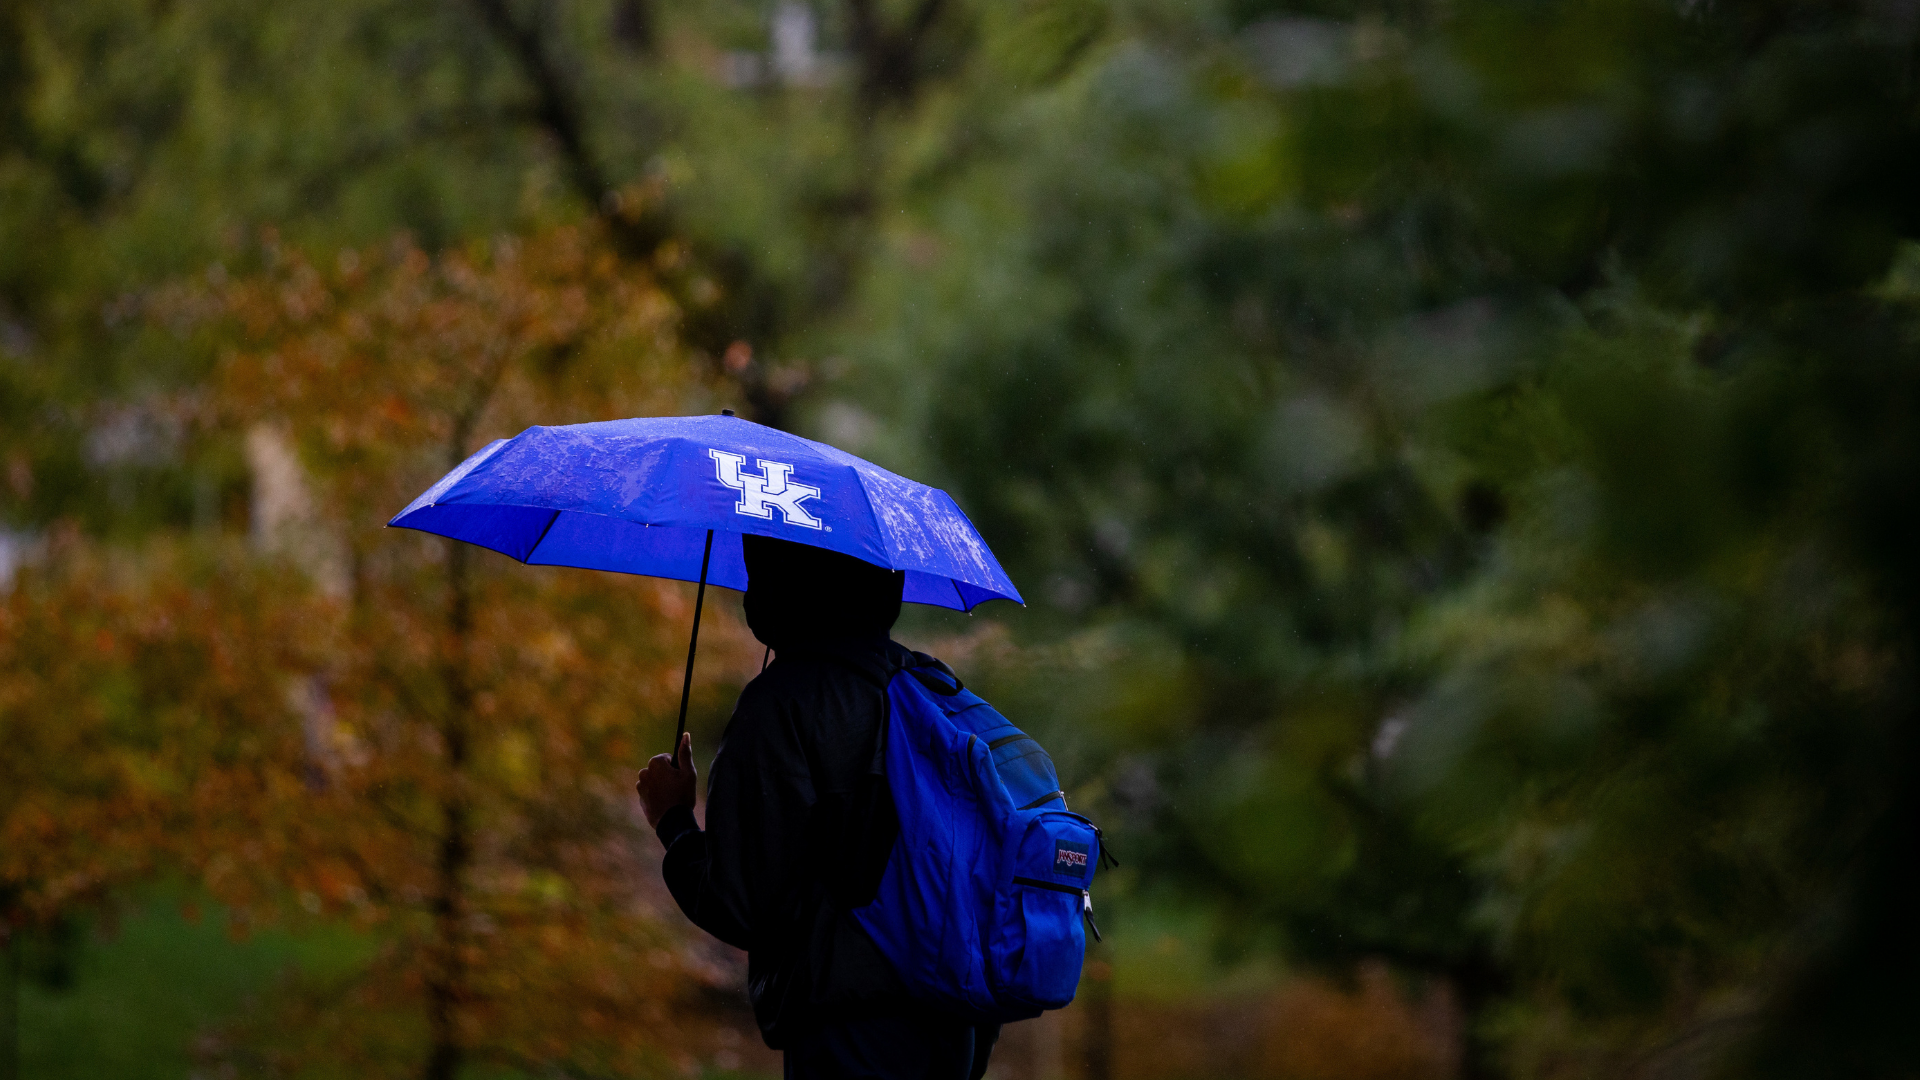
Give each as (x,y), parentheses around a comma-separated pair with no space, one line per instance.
(763,874)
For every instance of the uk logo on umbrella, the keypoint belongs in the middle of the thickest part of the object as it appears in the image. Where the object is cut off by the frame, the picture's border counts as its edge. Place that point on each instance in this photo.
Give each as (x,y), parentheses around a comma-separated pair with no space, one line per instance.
(772,488)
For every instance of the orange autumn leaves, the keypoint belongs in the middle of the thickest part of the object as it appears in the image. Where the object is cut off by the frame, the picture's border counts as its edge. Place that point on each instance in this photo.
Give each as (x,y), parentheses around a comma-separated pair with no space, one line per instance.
(129,690)
(351,723)
(389,354)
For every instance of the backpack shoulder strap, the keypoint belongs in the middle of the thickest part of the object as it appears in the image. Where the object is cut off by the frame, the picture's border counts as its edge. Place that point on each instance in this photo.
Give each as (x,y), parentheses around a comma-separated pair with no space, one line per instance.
(923,669)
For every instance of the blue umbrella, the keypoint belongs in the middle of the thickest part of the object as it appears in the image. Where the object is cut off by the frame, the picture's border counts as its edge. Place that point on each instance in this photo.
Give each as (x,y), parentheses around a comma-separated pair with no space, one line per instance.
(671,496)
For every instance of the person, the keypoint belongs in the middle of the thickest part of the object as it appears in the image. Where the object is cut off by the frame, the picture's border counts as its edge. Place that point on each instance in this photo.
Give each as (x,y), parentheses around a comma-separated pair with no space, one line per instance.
(768,873)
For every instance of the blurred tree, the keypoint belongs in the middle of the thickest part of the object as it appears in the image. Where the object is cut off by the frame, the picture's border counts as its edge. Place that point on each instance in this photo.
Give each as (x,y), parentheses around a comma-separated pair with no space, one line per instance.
(126,687)
(138,143)
(130,687)
(457,775)
(1462,443)
(141,142)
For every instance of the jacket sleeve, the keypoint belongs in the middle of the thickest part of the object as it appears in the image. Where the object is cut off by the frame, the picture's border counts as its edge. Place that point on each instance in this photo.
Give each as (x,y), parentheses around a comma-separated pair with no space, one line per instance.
(737,878)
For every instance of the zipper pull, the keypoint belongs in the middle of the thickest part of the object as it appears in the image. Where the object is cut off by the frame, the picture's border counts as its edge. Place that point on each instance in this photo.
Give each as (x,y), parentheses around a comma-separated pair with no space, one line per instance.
(1086,908)
(1108,860)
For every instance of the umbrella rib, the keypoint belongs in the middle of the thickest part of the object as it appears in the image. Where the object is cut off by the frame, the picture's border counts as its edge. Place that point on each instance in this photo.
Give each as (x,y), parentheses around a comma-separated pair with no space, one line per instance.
(860,485)
(964,609)
(541,538)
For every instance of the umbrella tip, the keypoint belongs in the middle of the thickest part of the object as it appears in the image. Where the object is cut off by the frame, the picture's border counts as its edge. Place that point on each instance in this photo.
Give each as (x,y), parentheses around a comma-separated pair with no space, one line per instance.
(726,412)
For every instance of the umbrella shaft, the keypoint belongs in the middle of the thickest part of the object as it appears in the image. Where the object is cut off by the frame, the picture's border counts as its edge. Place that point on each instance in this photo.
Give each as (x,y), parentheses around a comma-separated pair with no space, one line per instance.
(693,645)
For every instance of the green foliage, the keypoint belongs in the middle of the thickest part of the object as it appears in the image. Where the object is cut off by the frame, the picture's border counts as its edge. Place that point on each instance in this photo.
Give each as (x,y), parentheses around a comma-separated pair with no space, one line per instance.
(1462,403)
(155,979)
(143,141)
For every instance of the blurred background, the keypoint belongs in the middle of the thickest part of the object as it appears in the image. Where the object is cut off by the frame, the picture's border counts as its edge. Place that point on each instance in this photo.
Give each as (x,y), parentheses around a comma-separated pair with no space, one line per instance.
(1460,455)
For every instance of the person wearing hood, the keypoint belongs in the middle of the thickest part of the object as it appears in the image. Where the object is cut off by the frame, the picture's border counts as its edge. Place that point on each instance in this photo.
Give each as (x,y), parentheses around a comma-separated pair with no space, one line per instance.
(792,819)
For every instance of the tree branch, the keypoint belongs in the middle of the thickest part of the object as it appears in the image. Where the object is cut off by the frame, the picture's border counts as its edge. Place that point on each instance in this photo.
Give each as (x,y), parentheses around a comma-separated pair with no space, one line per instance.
(638,232)
(634,26)
(557,110)
(890,60)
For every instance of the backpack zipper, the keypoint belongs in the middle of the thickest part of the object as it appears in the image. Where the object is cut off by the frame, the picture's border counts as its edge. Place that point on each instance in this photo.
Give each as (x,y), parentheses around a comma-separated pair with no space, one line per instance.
(1108,860)
(1085,895)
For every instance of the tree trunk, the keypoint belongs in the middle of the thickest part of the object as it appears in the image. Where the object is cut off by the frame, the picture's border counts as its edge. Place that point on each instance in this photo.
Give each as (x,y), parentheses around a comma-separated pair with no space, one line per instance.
(9,1002)
(1097,1046)
(1478,983)
(446,972)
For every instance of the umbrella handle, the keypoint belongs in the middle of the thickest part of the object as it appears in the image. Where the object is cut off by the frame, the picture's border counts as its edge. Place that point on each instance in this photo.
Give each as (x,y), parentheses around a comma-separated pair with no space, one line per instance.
(693,644)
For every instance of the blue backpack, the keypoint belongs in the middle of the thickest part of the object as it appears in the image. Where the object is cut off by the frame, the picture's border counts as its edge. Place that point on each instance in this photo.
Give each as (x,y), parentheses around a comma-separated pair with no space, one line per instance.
(980,904)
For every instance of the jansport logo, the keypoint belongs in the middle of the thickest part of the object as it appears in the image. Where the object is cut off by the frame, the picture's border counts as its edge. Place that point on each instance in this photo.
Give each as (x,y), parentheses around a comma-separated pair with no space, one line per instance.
(774,487)
(1069,858)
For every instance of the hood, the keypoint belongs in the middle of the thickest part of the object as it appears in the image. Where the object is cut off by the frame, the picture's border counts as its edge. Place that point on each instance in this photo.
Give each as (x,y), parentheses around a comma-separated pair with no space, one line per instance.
(798,595)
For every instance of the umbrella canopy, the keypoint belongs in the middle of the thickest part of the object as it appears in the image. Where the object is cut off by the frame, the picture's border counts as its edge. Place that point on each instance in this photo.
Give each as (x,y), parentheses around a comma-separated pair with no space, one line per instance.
(659,496)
